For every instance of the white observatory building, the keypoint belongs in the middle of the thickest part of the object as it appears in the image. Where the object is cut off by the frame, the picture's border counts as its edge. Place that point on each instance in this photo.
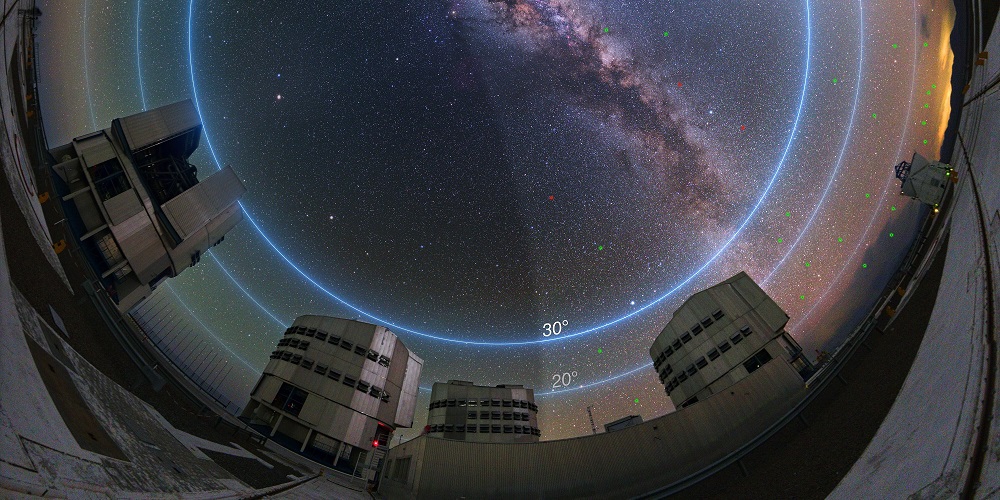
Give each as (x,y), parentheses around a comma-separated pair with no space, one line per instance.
(135,205)
(925,180)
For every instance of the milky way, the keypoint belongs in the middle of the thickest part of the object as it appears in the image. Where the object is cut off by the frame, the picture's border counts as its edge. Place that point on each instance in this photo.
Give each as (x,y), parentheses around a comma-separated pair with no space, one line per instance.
(474,169)
(576,56)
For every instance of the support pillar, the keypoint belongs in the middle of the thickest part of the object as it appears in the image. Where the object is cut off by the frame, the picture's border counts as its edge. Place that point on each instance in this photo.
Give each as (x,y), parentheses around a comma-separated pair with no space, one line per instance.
(305,442)
(276,424)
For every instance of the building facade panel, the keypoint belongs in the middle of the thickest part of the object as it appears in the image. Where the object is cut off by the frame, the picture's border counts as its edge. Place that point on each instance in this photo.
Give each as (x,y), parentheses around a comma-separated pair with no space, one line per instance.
(338,379)
(464,411)
(619,464)
(193,209)
(720,335)
(114,196)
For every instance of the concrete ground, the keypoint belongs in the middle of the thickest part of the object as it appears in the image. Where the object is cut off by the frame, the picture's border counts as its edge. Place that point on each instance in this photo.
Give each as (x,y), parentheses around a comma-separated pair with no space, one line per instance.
(69,427)
(917,414)
(812,457)
(77,418)
(941,438)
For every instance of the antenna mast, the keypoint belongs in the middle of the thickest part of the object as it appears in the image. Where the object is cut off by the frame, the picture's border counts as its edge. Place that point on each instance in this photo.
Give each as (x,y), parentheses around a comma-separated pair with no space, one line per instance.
(590,414)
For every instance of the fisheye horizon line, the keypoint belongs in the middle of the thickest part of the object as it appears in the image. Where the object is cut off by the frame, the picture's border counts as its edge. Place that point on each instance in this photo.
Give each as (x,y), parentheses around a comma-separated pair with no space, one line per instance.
(142,94)
(889,176)
(93,119)
(582,386)
(843,148)
(138,52)
(208,330)
(86,70)
(605,325)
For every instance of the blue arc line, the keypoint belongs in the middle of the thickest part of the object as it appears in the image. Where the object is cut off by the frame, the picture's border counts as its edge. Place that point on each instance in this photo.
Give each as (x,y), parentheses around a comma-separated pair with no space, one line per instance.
(843,148)
(210,333)
(86,65)
(582,386)
(594,384)
(885,190)
(138,58)
(142,94)
(397,327)
(245,292)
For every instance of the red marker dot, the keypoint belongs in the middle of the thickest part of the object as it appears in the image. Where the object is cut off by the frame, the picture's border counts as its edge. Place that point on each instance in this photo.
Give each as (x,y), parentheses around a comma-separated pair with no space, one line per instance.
(679,84)
(743,127)
(551,197)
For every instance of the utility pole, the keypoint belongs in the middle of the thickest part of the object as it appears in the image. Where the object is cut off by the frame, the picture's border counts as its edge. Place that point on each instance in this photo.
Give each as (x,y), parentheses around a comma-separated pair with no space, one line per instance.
(590,414)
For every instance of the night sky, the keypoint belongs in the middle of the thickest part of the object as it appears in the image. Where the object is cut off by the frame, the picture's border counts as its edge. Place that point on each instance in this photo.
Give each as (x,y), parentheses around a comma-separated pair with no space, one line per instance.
(466,172)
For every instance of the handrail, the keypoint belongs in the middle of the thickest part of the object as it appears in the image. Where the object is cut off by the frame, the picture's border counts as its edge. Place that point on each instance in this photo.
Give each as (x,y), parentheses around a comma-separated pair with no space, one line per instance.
(822,377)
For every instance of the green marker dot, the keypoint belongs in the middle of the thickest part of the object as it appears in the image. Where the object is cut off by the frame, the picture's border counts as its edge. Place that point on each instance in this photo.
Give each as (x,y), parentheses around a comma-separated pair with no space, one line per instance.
(600,247)
(864,266)
(788,214)
(925,141)
(923,122)
(599,350)
(892,234)
(868,195)
(666,33)
(834,80)
(925,44)
(893,208)
(808,264)
(802,297)
(895,46)
(605,30)
(933,86)
(636,400)
(780,240)
(928,92)
(840,240)
(926,105)
(874,115)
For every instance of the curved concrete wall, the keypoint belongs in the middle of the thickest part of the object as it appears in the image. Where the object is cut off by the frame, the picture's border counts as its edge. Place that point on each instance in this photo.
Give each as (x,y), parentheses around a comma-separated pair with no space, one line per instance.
(926,442)
(623,463)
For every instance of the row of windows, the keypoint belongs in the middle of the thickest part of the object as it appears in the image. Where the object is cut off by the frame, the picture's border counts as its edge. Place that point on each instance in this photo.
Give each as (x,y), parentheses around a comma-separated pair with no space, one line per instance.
(485,428)
(330,339)
(701,362)
(686,337)
(745,331)
(294,343)
(360,385)
(508,403)
(495,415)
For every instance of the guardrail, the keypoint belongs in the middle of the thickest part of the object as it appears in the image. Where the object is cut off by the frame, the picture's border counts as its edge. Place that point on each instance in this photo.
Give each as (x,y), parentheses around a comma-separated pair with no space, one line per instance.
(837,361)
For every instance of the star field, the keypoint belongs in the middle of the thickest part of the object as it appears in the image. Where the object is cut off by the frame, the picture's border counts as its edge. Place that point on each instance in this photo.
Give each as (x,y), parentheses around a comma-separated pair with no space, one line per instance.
(469,171)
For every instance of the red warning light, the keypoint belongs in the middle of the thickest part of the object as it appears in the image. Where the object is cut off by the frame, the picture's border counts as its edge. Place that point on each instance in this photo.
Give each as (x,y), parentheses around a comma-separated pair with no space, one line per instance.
(743,127)
(375,443)
(679,84)
(551,197)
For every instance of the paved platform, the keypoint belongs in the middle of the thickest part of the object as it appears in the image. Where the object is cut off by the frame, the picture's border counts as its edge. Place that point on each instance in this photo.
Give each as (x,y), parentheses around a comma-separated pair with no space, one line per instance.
(68,428)
(926,446)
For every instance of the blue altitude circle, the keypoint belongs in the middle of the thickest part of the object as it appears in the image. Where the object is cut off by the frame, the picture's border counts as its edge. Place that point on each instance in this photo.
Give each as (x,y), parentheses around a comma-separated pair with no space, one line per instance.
(591,329)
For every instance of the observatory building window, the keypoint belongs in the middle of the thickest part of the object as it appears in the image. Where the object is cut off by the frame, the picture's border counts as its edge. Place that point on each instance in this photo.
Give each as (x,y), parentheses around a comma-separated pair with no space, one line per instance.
(109,179)
(290,398)
(757,361)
